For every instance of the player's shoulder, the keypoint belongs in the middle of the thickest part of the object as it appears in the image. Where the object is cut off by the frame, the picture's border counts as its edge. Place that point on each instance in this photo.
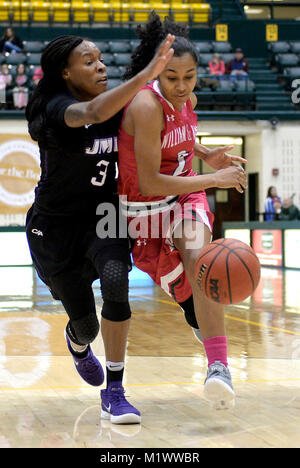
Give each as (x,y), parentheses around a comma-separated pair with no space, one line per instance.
(59,101)
(194,100)
(146,100)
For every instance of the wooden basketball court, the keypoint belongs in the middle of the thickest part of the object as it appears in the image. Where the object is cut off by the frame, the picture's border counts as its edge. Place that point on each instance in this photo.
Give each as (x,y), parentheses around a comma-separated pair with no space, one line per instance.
(44,403)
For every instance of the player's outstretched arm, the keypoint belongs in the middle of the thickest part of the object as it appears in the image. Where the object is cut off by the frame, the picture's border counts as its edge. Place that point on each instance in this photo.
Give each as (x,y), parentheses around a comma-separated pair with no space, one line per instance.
(107,104)
(145,114)
(217,158)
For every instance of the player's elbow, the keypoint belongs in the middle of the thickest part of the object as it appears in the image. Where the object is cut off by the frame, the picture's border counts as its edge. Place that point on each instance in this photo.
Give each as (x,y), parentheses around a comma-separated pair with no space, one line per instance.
(96,113)
(145,190)
(147,186)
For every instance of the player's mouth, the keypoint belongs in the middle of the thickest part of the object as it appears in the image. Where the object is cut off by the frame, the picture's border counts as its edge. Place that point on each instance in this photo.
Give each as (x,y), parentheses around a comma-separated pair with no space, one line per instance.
(181,96)
(103,80)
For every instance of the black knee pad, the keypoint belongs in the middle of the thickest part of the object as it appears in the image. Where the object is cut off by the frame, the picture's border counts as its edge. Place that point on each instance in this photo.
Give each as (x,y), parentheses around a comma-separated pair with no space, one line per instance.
(189,312)
(114,281)
(114,287)
(84,330)
(116,311)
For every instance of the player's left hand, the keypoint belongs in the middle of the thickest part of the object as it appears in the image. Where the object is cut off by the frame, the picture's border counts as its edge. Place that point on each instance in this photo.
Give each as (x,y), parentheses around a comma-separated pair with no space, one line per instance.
(218,158)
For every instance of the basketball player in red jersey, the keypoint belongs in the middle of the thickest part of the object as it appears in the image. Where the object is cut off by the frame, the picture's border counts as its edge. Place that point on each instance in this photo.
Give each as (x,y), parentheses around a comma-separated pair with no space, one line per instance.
(156,183)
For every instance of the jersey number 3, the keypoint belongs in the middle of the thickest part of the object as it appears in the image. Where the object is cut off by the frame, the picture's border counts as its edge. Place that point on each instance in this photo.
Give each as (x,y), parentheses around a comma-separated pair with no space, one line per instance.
(181,162)
(100,179)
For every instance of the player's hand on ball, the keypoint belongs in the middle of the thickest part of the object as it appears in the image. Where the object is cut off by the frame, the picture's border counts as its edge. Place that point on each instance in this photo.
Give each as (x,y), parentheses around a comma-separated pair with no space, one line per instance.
(161,58)
(232,177)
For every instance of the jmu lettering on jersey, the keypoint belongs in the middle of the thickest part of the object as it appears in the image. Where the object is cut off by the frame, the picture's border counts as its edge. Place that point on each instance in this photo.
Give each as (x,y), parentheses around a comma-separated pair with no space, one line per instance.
(103,146)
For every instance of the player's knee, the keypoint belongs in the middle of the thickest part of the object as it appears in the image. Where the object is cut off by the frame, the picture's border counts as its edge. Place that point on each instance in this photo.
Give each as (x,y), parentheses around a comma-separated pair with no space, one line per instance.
(85,329)
(114,286)
(114,281)
(116,311)
(189,312)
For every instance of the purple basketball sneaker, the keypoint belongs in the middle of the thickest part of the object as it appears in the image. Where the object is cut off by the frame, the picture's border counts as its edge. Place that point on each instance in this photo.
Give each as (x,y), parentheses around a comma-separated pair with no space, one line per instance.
(89,368)
(116,408)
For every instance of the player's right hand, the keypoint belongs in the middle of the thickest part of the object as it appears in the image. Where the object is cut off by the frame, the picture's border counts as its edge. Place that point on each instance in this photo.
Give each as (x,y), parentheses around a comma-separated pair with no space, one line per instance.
(161,58)
(232,177)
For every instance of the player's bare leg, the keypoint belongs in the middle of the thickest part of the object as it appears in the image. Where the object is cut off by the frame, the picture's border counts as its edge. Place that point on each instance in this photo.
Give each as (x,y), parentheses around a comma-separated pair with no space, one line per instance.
(189,239)
(114,336)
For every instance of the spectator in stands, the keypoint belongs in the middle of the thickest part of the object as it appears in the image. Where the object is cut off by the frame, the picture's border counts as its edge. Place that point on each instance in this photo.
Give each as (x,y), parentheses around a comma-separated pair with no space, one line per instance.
(272,205)
(5,82)
(37,76)
(289,212)
(238,67)
(216,68)
(10,43)
(20,92)
(216,65)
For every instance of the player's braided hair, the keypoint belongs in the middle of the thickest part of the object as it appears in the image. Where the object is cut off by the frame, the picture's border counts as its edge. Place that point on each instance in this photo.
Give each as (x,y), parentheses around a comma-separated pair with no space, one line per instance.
(54,59)
(151,35)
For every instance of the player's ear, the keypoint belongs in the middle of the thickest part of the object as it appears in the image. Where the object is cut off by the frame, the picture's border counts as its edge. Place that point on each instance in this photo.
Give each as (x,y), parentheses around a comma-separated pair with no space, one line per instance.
(65,74)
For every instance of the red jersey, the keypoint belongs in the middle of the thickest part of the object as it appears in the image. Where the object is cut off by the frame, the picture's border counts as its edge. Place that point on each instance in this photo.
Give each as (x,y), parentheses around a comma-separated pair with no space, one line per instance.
(177,148)
(157,254)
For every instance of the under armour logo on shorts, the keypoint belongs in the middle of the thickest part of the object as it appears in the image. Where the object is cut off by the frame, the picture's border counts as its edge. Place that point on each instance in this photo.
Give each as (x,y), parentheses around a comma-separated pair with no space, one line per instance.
(37,232)
(141,242)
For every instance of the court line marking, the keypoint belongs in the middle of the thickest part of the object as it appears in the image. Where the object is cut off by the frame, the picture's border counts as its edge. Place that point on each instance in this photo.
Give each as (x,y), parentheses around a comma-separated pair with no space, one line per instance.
(155,384)
(257,324)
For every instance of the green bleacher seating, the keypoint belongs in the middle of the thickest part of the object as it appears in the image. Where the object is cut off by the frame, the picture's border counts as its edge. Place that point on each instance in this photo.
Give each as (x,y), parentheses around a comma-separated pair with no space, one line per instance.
(108,59)
(295,47)
(119,47)
(15,59)
(113,72)
(103,46)
(287,60)
(245,85)
(293,72)
(205,59)
(221,47)
(121,59)
(113,83)
(34,59)
(203,47)
(33,46)
(279,47)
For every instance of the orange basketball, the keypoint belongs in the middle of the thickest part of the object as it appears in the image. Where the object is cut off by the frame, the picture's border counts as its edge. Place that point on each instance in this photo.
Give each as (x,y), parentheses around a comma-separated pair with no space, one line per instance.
(227,271)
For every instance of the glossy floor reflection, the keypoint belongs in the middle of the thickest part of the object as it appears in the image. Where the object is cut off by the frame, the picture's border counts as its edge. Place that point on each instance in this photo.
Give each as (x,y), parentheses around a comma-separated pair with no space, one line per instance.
(43,403)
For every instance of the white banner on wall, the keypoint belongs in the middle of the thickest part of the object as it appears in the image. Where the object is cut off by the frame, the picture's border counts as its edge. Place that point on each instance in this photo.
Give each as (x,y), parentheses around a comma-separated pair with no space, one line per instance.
(19,173)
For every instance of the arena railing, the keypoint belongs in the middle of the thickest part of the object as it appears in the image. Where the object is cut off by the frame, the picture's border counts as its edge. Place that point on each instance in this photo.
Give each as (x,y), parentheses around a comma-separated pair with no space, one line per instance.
(271,5)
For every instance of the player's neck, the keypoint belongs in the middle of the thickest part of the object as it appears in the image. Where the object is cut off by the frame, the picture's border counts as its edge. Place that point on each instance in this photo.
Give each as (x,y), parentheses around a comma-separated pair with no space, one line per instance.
(173,104)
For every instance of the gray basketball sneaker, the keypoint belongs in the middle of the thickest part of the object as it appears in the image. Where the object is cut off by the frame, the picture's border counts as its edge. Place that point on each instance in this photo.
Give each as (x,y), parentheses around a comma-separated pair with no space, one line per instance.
(218,389)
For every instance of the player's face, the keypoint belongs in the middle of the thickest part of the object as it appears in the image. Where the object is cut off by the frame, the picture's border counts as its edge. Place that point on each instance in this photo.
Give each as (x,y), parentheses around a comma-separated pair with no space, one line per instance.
(85,73)
(178,79)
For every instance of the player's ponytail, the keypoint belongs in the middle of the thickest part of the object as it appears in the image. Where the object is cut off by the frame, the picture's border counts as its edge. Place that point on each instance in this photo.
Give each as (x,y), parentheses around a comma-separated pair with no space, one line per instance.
(151,35)
(54,59)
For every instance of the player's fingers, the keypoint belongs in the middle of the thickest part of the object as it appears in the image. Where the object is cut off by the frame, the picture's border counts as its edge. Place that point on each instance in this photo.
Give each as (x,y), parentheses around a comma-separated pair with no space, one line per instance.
(169,54)
(243,181)
(227,148)
(238,159)
(166,44)
(240,168)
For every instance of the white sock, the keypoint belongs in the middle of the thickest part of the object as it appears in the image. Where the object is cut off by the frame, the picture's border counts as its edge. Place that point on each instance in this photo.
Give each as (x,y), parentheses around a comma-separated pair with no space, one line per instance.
(78,348)
(114,366)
